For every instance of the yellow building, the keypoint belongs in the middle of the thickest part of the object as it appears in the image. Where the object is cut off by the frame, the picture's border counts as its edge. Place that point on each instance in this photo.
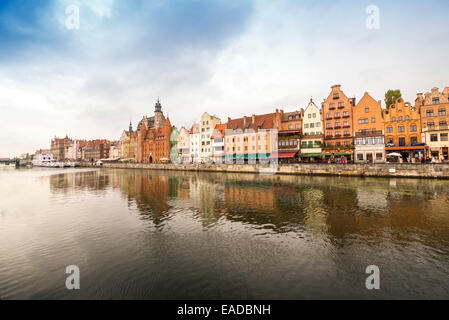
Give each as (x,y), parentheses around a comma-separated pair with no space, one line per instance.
(207,127)
(434,108)
(402,123)
(128,141)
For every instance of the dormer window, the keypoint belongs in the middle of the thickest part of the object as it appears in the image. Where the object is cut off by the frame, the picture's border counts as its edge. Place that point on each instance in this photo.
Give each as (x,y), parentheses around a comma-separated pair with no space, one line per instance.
(436,100)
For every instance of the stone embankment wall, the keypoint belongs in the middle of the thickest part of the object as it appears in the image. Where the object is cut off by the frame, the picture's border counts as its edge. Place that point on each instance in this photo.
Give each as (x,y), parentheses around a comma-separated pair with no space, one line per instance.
(438,171)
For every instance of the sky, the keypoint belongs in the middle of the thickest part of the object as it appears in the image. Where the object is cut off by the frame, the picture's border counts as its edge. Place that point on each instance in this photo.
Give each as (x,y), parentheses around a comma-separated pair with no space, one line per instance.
(226,57)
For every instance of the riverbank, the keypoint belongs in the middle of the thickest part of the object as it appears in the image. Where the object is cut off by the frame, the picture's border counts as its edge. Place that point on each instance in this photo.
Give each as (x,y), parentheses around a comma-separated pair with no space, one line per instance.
(432,171)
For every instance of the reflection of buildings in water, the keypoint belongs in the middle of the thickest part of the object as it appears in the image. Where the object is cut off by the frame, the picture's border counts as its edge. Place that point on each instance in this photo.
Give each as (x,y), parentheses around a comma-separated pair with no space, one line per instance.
(372,201)
(84,180)
(250,197)
(204,198)
(315,215)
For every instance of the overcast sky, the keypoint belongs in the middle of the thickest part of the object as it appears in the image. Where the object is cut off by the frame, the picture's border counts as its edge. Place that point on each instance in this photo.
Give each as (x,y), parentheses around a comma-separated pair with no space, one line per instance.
(226,57)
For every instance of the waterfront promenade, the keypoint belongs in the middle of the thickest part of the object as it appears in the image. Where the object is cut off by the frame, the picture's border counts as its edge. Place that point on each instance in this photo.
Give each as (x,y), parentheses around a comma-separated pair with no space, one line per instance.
(410,170)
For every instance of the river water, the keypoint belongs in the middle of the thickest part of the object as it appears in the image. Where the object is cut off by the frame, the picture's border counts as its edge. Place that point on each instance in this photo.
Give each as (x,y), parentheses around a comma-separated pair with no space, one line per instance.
(137,234)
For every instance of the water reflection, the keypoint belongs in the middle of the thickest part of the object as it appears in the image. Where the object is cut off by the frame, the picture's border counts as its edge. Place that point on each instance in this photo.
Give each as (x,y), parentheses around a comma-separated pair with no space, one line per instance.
(181,235)
(337,207)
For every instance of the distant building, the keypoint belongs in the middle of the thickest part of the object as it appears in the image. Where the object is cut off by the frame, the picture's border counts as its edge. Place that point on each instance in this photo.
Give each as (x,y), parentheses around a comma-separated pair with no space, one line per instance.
(60,147)
(174,149)
(195,143)
(217,138)
(128,142)
(115,150)
(153,138)
(207,126)
(252,138)
(434,109)
(184,145)
(96,150)
(369,131)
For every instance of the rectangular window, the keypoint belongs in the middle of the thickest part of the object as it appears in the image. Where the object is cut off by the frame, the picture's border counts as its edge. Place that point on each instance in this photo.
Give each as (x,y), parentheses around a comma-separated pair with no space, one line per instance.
(360,156)
(435,100)
(401,129)
(429,113)
(366,110)
(413,129)
(443,137)
(373,120)
(363,121)
(414,141)
(434,137)
(379,156)
(442,112)
(401,142)
(390,130)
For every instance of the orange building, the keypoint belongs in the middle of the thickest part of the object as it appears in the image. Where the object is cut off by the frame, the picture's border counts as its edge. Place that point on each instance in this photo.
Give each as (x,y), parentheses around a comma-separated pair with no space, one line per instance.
(402,125)
(252,138)
(289,135)
(338,124)
(369,136)
(153,138)
(434,121)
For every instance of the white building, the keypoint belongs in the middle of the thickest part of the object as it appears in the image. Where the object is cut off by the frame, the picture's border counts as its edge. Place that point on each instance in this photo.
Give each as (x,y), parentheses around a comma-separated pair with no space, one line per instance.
(312,140)
(195,143)
(207,126)
(184,145)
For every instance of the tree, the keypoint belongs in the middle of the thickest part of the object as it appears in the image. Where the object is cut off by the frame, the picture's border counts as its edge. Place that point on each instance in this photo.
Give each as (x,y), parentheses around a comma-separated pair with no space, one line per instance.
(391,96)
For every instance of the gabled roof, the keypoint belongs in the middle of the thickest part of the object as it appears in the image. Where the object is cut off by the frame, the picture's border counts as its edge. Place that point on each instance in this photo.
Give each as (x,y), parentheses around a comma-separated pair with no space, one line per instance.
(195,128)
(219,131)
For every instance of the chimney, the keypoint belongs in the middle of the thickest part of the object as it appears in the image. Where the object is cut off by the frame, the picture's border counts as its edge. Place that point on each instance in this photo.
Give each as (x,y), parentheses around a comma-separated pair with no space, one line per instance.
(244,121)
(253,118)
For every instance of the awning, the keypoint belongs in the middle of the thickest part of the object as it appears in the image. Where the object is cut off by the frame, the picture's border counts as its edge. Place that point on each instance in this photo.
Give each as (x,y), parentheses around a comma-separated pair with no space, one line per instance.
(283,155)
(406,148)
(311,155)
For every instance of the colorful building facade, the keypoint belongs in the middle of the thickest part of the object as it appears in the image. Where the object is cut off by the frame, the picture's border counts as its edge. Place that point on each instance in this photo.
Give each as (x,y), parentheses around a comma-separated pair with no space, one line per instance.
(402,125)
(434,108)
(369,135)
(312,133)
(153,138)
(338,124)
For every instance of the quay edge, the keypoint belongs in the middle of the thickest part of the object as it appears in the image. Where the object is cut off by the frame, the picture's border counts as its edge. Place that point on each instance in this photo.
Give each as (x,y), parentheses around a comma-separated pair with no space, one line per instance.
(391,170)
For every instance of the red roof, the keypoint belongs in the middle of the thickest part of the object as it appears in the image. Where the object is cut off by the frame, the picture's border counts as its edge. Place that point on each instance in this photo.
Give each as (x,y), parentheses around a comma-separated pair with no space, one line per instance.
(219,131)
(255,122)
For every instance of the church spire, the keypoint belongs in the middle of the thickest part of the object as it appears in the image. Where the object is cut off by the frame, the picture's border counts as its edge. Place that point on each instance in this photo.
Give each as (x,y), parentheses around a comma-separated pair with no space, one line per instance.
(158,106)
(130,127)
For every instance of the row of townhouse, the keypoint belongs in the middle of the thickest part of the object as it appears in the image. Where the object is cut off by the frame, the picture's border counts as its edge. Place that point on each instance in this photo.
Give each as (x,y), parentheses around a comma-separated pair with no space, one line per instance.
(340,128)
(360,131)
